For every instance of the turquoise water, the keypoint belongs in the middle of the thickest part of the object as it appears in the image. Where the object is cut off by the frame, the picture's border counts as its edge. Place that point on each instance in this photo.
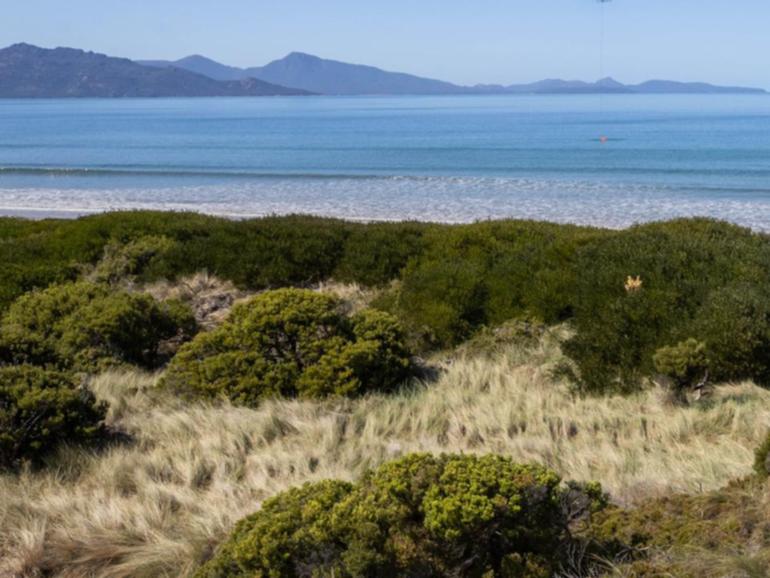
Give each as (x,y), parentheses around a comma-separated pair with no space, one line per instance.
(430,158)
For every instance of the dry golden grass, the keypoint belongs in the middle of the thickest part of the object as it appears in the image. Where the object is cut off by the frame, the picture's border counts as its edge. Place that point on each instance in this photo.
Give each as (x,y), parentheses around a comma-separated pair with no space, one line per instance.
(212,298)
(209,297)
(158,505)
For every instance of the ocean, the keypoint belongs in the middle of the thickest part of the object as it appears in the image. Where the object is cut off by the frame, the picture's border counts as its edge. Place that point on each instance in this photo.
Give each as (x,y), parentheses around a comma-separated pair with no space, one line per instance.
(450,158)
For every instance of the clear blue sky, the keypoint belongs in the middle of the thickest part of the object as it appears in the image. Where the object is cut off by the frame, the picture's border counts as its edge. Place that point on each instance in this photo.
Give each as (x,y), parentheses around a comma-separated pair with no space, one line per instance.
(465,41)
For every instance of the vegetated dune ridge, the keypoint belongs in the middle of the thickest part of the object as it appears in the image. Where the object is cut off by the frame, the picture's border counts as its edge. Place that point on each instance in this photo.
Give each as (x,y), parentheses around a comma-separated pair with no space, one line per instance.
(158,505)
(539,342)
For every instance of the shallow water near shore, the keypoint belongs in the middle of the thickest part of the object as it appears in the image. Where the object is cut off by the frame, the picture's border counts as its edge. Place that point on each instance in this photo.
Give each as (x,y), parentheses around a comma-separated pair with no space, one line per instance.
(453,159)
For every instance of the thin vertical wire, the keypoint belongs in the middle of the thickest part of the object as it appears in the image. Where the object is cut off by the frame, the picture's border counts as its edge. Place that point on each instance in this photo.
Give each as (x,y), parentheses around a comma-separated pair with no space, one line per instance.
(602,26)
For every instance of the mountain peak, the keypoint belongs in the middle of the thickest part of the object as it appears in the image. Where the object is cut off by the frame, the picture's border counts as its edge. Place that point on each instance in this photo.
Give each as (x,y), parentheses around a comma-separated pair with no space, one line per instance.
(609,81)
(301,57)
(30,71)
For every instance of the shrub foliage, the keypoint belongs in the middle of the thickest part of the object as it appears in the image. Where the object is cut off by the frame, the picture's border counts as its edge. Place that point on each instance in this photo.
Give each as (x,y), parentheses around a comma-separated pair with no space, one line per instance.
(685,364)
(419,516)
(40,409)
(85,326)
(698,279)
(487,273)
(628,294)
(291,342)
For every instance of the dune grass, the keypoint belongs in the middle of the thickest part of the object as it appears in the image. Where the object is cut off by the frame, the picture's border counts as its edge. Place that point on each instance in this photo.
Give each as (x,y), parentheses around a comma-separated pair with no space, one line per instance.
(158,503)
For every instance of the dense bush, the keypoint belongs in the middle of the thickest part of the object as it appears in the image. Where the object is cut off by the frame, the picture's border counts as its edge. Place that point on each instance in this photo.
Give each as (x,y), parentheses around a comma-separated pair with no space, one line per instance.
(734,322)
(40,409)
(85,326)
(376,253)
(685,364)
(130,260)
(419,516)
(487,273)
(689,279)
(291,342)
(696,279)
(255,254)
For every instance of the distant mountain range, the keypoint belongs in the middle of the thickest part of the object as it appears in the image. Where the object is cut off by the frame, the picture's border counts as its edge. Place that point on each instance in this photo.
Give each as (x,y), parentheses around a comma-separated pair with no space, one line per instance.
(323,76)
(326,76)
(27,71)
(30,72)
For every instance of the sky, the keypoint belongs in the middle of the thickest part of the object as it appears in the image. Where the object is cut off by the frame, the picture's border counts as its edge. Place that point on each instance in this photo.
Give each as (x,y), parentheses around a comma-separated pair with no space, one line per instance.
(463,41)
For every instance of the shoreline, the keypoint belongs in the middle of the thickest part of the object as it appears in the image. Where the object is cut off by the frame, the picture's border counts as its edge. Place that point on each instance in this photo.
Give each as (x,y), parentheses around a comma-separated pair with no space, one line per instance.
(39,214)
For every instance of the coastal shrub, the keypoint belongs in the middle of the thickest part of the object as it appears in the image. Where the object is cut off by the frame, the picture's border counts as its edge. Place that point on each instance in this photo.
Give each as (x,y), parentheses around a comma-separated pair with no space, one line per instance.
(266,253)
(40,409)
(470,276)
(419,516)
(734,322)
(36,254)
(715,533)
(685,364)
(639,290)
(452,280)
(127,261)
(291,342)
(85,326)
(376,253)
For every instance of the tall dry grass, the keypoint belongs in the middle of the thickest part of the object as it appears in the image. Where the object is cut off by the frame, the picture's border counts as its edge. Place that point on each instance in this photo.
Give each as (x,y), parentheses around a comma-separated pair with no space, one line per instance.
(158,505)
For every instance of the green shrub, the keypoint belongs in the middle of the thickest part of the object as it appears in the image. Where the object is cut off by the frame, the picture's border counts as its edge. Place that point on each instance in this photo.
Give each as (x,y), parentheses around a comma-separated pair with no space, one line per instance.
(291,342)
(127,261)
(376,253)
(84,326)
(688,536)
(254,254)
(699,278)
(685,364)
(419,516)
(40,409)
(485,274)
(690,271)
(734,322)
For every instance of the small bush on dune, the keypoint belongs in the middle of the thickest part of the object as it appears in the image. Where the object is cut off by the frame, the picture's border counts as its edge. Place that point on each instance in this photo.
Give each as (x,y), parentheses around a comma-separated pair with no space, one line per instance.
(419,516)
(40,409)
(84,326)
(685,364)
(291,342)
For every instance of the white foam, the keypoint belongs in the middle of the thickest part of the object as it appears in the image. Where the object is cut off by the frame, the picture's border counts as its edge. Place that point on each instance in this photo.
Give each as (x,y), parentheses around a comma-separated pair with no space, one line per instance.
(445,199)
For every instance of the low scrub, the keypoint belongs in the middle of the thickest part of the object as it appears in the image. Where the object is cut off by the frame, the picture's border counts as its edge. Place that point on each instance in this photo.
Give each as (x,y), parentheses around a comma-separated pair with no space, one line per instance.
(131,260)
(292,343)
(658,285)
(723,533)
(254,254)
(86,326)
(40,409)
(470,276)
(419,516)
(628,294)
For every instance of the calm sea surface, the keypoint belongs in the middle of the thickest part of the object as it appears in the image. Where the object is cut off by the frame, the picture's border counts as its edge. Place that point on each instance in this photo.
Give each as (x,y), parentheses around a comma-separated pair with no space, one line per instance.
(429,158)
